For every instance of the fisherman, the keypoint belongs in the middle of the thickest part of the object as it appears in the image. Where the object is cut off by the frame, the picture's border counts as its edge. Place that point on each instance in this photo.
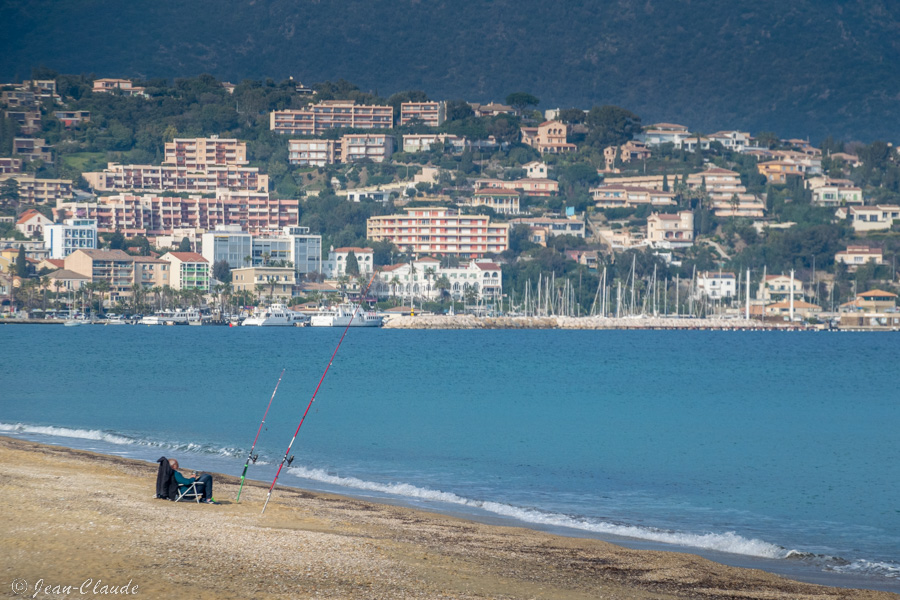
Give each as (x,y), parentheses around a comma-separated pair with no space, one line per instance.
(203,478)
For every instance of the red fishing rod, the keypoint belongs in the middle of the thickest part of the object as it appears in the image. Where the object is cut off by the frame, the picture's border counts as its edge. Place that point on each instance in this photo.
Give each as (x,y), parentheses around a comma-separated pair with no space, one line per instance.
(251,457)
(285,458)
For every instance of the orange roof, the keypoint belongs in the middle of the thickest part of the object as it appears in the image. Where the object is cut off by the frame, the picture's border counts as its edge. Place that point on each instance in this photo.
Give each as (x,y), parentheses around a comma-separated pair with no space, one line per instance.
(188,256)
(353,249)
(878,293)
(28,215)
(488,266)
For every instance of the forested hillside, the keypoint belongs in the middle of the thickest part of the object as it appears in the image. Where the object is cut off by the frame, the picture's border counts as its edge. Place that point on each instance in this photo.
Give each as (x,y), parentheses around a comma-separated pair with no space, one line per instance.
(807,68)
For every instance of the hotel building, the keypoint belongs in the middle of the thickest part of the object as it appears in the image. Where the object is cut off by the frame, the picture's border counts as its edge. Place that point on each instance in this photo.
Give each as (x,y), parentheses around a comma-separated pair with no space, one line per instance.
(440,230)
(62,239)
(432,114)
(331,114)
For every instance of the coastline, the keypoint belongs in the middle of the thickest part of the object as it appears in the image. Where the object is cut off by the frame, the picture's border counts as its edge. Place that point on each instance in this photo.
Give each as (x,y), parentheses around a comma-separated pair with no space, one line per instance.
(70,515)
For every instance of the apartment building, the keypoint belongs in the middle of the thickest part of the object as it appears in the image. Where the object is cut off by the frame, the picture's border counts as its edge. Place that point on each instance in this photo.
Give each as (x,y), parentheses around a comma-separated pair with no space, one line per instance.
(188,271)
(548,137)
(294,245)
(62,239)
(10,165)
(778,171)
(173,178)
(151,272)
(432,114)
(350,148)
(313,153)
(335,266)
(199,153)
(277,283)
(33,149)
(780,288)
(422,142)
(836,195)
(29,120)
(331,114)
(716,285)
(114,267)
(728,195)
(856,256)
(154,215)
(544,228)
(19,98)
(504,202)
(122,86)
(419,279)
(869,218)
(671,230)
(624,196)
(529,186)
(440,230)
(41,191)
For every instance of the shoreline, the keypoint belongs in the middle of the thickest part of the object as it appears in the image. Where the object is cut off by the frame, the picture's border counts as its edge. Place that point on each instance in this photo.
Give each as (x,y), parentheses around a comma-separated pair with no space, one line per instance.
(59,528)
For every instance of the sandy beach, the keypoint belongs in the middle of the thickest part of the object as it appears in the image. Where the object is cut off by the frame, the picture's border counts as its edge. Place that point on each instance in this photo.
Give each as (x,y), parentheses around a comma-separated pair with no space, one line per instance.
(91,522)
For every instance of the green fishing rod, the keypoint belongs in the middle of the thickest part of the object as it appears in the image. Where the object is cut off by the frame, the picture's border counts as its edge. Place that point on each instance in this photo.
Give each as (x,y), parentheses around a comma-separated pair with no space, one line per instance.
(251,456)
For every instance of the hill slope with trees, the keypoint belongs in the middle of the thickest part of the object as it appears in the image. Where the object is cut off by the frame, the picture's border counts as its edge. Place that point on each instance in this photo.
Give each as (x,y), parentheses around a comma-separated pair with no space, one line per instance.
(804,68)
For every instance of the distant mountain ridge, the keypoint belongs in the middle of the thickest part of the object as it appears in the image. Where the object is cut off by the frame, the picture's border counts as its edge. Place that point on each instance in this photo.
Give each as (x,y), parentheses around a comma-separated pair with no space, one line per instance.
(805,68)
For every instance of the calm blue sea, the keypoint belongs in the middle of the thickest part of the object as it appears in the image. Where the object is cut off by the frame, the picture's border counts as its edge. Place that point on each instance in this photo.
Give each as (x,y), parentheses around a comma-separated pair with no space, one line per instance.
(776,450)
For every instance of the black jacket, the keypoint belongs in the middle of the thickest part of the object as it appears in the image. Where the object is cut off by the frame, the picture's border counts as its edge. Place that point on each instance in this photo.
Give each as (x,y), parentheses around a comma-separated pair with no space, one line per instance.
(165,480)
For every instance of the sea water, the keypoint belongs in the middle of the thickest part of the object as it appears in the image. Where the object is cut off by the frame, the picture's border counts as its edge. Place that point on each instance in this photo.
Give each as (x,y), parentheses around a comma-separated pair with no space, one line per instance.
(769,449)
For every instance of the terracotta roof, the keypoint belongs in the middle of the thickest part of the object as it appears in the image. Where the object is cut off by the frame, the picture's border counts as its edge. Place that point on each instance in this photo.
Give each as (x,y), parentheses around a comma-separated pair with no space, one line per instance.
(797,304)
(188,256)
(878,293)
(427,259)
(56,262)
(28,215)
(354,249)
(488,266)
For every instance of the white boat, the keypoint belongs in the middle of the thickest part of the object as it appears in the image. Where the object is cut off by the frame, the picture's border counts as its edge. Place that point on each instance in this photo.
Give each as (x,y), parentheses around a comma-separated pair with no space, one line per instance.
(76,322)
(276,315)
(341,315)
(178,317)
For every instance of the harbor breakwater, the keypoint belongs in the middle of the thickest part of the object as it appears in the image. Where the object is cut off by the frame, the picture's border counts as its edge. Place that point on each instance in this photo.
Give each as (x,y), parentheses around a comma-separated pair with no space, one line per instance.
(558,322)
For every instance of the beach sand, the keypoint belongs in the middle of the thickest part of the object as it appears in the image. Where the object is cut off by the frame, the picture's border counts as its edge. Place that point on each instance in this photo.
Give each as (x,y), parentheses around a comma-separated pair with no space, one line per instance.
(69,516)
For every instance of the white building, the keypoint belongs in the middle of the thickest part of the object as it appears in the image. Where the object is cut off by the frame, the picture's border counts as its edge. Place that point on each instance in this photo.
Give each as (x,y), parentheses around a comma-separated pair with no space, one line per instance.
(716,285)
(336,265)
(62,239)
(671,231)
(424,277)
(228,243)
(870,218)
(294,245)
(31,223)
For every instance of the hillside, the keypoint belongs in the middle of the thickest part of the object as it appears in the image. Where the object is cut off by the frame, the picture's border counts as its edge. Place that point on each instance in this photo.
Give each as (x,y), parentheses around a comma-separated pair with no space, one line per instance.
(807,68)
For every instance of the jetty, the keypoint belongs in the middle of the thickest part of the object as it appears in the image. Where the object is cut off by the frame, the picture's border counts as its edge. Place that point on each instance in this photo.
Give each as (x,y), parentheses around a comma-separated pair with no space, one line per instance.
(595,322)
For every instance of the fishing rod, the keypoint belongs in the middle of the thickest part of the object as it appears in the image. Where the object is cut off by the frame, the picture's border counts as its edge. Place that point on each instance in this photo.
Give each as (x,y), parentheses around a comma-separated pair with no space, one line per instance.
(251,456)
(285,458)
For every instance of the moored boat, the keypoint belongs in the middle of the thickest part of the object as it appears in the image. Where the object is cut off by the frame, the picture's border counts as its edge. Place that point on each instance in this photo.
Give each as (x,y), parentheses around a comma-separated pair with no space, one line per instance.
(345,314)
(275,315)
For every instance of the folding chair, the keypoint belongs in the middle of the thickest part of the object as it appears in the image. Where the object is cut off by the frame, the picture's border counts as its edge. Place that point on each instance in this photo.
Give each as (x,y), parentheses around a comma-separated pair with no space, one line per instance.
(193,491)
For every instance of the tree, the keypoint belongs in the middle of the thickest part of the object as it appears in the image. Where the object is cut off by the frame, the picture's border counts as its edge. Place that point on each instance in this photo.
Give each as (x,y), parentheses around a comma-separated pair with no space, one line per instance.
(185,245)
(9,192)
(611,126)
(116,241)
(458,110)
(351,268)
(21,263)
(222,271)
(521,100)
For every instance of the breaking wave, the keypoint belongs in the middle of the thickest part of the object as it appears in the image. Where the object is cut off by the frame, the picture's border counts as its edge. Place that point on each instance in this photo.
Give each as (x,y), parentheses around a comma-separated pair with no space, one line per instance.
(117,438)
(722,542)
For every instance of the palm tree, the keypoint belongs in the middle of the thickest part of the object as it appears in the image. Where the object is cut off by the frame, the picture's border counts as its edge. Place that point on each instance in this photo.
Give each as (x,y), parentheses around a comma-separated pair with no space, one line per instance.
(429,277)
(260,288)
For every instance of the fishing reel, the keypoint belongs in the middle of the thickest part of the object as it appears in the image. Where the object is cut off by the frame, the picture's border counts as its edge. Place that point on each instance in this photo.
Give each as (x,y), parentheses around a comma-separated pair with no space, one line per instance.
(290,460)
(253,458)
